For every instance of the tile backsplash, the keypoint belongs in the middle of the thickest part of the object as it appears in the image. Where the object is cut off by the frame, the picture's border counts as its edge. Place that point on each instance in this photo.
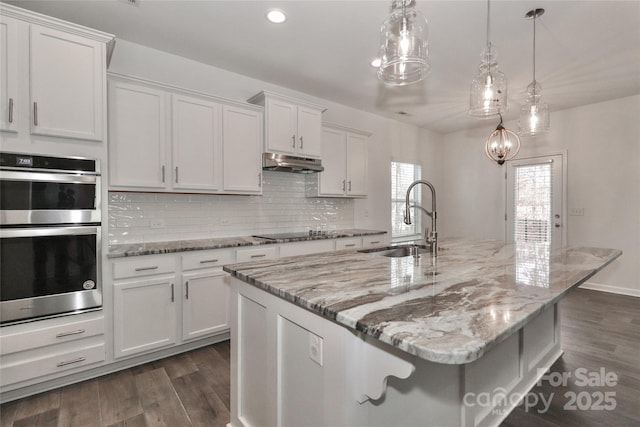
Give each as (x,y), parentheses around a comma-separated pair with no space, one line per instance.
(283,207)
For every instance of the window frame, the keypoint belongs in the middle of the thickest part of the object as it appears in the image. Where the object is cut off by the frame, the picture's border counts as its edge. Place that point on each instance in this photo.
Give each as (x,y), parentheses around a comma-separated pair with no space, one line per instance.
(416,197)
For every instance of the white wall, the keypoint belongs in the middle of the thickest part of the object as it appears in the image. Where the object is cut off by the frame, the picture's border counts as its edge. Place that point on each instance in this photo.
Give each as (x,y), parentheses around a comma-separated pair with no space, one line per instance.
(602,142)
(390,138)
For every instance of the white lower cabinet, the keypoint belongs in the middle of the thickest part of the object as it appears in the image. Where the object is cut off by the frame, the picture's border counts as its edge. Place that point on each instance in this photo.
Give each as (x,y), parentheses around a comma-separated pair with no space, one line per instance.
(205,309)
(48,349)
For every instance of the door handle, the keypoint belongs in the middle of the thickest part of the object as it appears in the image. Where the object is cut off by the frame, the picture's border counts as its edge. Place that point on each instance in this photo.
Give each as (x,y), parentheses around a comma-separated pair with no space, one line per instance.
(186,285)
(172,293)
(10,110)
(301,142)
(35,114)
(176,174)
(293,140)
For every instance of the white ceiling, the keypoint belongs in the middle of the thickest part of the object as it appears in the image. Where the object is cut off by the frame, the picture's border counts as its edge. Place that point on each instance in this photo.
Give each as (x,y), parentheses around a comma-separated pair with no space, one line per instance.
(587,51)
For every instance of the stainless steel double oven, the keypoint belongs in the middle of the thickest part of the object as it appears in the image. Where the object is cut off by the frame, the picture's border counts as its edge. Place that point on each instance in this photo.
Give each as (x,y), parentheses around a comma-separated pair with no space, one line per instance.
(50,236)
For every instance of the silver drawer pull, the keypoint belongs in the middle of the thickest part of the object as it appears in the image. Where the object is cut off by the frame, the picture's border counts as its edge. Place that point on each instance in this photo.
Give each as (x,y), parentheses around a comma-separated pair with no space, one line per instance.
(155,267)
(35,114)
(173,295)
(374,243)
(186,285)
(207,261)
(66,334)
(258,256)
(71,362)
(349,245)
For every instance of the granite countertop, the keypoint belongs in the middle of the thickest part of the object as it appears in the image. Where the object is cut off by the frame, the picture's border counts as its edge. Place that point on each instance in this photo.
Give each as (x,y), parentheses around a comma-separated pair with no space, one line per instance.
(151,248)
(451,310)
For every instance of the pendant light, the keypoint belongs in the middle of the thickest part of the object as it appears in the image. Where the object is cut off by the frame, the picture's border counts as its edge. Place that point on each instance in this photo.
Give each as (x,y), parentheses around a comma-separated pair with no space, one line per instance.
(534,115)
(489,87)
(403,45)
(502,145)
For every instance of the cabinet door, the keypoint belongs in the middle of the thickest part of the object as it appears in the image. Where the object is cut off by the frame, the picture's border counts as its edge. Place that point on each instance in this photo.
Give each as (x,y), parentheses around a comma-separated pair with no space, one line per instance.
(331,181)
(67,75)
(195,144)
(357,152)
(205,308)
(280,126)
(309,132)
(144,316)
(8,73)
(137,136)
(242,150)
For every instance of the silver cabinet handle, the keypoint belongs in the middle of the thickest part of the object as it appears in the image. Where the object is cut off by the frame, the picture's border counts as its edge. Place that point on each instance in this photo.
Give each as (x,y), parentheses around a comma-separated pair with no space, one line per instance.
(206,261)
(10,110)
(374,243)
(349,185)
(349,245)
(344,185)
(258,256)
(35,114)
(162,173)
(293,140)
(176,174)
(186,285)
(70,362)
(173,296)
(66,334)
(259,180)
(301,143)
(155,267)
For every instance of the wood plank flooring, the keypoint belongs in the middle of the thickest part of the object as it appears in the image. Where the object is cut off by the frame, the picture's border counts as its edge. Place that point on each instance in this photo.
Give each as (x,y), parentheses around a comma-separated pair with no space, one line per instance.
(599,330)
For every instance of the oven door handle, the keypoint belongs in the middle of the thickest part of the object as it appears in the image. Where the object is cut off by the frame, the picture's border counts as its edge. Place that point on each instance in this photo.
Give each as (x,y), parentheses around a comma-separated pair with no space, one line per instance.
(47,231)
(69,177)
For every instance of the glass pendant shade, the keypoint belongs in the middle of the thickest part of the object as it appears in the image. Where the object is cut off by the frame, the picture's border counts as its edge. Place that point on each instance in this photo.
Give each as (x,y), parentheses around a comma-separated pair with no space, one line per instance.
(502,145)
(488,96)
(403,45)
(534,115)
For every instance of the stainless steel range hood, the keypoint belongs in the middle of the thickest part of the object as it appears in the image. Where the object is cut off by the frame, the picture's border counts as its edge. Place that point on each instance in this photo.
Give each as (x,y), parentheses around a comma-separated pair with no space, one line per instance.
(284,163)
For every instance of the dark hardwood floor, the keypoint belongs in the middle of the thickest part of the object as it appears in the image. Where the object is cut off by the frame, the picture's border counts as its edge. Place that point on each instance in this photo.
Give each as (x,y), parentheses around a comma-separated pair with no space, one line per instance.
(192,389)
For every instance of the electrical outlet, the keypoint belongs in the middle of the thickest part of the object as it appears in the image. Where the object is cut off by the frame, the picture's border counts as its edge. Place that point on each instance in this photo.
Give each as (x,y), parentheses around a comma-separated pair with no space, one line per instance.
(224,221)
(576,211)
(315,348)
(157,223)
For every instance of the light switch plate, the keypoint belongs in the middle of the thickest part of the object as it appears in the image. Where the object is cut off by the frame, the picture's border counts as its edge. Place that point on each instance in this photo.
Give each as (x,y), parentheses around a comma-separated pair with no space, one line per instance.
(315,348)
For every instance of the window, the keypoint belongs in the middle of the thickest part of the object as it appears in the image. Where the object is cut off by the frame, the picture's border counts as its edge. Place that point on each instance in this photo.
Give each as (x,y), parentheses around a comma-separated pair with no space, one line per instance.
(532,208)
(402,175)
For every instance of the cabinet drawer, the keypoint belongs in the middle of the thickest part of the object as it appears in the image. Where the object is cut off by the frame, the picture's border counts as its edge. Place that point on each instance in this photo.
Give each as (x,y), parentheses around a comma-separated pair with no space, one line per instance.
(306,248)
(205,259)
(351,243)
(143,266)
(21,340)
(375,240)
(257,254)
(22,369)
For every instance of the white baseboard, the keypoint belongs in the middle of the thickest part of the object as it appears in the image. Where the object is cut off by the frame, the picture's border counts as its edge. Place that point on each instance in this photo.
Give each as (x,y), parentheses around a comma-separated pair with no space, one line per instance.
(611,289)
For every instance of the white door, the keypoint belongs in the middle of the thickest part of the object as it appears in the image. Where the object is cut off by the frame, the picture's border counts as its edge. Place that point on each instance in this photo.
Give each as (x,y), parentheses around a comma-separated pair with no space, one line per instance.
(195,144)
(67,84)
(309,132)
(281,126)
(205,308)
(332,180)
(137,137)
(535,200)
(8,73)
(357,165)
(242,150)
(144,316)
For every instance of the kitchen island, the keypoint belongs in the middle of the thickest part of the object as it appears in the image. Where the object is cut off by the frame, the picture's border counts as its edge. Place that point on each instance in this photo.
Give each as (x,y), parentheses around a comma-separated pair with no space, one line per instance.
(357,338)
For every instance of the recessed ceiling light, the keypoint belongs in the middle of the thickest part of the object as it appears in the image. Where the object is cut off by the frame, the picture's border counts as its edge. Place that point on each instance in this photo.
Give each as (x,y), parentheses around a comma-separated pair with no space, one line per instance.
(375,62)
(276,16)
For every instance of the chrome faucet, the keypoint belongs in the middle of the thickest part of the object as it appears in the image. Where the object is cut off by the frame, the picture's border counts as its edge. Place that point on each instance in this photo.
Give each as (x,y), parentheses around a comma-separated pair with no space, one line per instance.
(430,238)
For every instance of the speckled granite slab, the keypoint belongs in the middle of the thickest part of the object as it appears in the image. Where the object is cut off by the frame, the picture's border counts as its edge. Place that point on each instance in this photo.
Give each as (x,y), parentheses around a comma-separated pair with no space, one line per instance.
(450,311)
(151,248)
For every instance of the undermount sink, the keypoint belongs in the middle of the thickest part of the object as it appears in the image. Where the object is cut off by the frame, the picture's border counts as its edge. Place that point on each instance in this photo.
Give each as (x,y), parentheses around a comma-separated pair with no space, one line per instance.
(399,251)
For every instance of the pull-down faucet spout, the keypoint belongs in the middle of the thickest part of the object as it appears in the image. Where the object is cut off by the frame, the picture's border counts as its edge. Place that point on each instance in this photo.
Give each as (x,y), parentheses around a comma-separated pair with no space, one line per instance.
(432,238)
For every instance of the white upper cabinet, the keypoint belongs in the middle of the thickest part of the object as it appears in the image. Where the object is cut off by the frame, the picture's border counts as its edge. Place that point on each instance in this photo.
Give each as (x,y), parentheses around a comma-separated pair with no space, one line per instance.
(67,84)
(166,140)
(8,73)
(291,126)
(242,150)
(137,136)
(52,78)
(344,157)
(196,153)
